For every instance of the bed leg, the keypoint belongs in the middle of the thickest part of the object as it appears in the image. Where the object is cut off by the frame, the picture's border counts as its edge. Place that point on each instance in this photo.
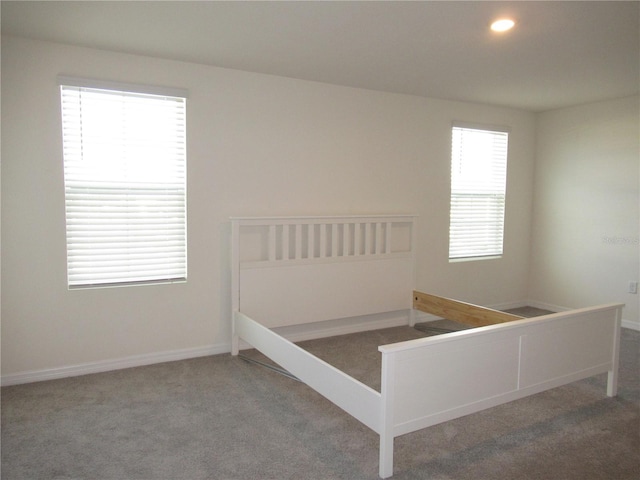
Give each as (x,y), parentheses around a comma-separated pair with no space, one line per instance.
(412,317)
(612,383)
(612,375)
(387,390)
(386,456)
(235,339)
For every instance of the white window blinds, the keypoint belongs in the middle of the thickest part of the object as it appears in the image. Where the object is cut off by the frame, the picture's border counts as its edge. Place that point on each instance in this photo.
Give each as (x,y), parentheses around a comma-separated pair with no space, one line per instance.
(125,185)
(478,187)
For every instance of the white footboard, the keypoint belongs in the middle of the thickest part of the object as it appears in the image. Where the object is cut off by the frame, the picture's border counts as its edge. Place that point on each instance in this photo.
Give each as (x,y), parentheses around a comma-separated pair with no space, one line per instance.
(432,380)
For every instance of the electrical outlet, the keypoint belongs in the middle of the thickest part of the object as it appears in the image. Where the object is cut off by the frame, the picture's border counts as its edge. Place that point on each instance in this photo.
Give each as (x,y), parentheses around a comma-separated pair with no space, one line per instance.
(633,287)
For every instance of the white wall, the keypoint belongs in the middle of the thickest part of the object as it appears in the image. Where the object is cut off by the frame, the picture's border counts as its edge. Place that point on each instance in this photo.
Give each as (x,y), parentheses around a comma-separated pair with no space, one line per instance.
(257,145)
(586,220)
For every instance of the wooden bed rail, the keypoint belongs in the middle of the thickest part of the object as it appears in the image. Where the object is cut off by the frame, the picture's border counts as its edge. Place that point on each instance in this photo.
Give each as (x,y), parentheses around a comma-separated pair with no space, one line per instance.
(462,312)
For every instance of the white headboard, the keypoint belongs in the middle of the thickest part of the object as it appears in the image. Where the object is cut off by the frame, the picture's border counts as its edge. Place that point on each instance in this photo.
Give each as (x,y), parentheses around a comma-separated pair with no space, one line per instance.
(296,270)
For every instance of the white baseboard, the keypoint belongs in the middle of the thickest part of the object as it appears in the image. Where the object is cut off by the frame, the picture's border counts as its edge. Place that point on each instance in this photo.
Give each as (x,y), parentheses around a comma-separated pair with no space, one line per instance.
(510,305)
(546,306)
(631,324)
(333,328)
(308,332)
(112,364)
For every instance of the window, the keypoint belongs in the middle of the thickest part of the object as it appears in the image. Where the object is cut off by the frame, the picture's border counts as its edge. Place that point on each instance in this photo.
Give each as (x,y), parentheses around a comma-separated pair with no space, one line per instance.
(478,186)
(125,183)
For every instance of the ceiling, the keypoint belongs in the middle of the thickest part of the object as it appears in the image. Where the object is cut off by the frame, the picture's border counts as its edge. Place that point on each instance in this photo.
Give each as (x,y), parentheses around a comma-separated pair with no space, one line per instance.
(560,53)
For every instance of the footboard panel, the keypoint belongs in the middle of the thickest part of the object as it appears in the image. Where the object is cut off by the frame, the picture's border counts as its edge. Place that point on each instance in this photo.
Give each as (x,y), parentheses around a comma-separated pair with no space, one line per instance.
(436,379)
(440,378)
(568,349)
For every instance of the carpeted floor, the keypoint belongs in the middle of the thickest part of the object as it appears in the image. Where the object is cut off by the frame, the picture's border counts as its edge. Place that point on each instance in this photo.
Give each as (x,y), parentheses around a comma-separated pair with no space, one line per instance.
(220,417)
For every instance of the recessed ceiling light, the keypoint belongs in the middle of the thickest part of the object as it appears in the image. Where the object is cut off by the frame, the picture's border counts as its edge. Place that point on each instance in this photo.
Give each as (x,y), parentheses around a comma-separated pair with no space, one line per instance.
(502,25)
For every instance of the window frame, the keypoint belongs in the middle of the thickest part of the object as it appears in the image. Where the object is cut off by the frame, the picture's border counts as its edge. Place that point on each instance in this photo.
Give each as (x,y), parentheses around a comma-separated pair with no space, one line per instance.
(131,198)
(469,191)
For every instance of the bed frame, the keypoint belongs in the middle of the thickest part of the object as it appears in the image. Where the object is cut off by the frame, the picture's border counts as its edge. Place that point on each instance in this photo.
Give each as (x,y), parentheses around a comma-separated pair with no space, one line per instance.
(290,271)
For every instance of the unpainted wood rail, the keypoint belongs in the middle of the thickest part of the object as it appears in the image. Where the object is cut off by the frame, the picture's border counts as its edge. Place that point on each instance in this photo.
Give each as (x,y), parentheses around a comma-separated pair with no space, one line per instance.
(467,313)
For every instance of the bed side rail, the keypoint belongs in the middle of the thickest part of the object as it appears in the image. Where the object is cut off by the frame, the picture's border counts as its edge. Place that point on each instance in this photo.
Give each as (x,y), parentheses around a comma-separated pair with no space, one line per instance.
(467,313)
(354,397)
